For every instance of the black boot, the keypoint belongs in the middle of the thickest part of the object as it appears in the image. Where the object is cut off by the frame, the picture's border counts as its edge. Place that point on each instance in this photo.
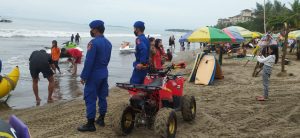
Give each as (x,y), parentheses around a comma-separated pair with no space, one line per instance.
(100,120)
(90,126)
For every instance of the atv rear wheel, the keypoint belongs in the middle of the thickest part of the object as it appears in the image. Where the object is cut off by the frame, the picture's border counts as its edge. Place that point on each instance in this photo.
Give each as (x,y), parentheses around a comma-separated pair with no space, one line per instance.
(165,123)
(123,119)
(188,108)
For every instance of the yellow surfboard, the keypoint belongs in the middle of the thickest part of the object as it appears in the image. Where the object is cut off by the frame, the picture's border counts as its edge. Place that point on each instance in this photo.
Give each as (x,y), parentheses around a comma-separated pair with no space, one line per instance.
(9,82)
(205,70)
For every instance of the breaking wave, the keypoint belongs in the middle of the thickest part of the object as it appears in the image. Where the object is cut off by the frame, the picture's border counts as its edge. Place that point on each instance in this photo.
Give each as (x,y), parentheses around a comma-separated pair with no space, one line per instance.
(15,33)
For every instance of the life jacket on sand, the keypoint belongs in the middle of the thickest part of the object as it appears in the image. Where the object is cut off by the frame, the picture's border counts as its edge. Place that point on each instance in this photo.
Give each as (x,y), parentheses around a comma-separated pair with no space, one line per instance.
(6,131)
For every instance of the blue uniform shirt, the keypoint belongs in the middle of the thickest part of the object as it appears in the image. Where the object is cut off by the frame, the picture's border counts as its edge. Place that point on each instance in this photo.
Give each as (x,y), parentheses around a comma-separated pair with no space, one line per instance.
(97,59)
(142,50)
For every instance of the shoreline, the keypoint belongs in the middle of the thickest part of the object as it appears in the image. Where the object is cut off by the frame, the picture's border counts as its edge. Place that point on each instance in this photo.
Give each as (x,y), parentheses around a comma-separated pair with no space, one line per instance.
(225,109)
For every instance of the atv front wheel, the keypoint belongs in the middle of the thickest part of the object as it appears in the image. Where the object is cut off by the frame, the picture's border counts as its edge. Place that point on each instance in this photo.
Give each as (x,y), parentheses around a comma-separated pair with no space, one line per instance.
(188,108)
(123,119)
(165,123)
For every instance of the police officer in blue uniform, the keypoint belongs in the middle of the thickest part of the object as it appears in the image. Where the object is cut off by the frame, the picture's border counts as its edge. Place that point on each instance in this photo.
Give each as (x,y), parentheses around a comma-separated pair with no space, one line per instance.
(142,54)
(94,76)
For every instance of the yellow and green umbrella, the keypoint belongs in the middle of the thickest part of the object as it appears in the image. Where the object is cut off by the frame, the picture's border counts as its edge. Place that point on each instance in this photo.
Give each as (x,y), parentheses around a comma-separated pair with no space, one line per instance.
(209,35)
(294,35)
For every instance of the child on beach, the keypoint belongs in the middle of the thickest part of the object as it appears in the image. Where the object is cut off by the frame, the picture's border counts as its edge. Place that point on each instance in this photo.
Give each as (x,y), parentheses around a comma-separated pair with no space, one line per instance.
(268,61)
(169,55)
(55,54)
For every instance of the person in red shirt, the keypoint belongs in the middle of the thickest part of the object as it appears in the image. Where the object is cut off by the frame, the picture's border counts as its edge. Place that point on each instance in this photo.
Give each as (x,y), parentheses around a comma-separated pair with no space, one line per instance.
(75,59)
(157,58)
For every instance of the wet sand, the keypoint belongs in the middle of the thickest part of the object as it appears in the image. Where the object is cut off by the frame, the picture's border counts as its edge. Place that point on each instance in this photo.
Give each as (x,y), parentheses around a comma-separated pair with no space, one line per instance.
(225,109)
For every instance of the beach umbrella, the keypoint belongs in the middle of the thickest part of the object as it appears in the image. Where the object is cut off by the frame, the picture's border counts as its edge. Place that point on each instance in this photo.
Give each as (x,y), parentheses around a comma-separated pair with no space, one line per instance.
(242,31)
(185,37)
(209,35)
(256,34)
(235,36)
(274,36)
(294,35)
(265,42)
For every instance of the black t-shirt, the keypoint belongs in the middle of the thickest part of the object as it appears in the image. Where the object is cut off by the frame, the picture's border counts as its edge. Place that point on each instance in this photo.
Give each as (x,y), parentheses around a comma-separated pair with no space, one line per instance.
(40,59)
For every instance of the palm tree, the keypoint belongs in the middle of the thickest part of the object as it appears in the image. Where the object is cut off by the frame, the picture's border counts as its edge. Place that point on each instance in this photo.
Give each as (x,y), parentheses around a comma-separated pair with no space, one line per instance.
(295,13)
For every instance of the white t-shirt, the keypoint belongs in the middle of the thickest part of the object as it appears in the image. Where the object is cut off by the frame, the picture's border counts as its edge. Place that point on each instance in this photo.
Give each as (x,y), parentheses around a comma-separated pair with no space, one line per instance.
(269,61)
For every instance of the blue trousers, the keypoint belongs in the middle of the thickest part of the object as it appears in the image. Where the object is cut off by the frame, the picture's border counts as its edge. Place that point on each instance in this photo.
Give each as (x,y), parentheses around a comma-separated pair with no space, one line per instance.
(95,88)
(138,76)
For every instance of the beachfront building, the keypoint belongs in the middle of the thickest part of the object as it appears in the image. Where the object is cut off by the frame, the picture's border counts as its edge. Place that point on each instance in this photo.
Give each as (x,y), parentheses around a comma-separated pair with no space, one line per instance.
(244,16)
(224,21)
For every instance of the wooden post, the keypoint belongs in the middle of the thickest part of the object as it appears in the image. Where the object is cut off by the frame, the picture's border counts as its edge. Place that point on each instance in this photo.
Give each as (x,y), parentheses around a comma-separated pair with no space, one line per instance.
(221,54)
(284,48)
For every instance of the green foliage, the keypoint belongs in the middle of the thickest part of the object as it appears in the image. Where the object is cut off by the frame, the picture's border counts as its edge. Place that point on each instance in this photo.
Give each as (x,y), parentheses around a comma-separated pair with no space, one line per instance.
(277,13)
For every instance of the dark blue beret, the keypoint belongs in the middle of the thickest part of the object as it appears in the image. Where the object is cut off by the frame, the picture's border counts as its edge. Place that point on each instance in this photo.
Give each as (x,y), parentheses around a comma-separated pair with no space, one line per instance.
(139,24)
(96,24)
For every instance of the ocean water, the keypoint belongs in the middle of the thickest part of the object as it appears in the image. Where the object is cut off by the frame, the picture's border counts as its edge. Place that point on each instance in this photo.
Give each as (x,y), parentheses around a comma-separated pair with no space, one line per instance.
(20,38)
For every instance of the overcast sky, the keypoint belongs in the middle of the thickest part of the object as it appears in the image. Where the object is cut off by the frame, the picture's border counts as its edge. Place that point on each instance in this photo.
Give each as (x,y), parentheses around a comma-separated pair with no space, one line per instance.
(160,14)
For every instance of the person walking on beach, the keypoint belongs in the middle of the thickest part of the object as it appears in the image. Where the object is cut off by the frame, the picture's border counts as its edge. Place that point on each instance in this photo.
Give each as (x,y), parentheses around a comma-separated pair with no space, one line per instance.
(142,54)
(75,59)
(40,61)
(267,69)
(72,38)
(172,41)
(94,76)
(55,55)
(77,37)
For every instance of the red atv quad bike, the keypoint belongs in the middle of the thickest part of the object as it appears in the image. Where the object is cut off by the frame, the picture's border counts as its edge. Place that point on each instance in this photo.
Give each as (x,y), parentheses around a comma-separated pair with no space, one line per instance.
(153,104)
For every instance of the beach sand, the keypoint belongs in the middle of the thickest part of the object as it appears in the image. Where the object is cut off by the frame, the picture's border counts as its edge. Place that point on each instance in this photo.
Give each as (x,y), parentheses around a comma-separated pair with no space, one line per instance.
(225,109)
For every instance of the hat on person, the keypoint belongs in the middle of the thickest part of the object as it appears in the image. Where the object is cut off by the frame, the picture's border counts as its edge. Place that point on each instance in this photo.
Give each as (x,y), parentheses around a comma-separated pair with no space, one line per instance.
(96,24)
(139,24)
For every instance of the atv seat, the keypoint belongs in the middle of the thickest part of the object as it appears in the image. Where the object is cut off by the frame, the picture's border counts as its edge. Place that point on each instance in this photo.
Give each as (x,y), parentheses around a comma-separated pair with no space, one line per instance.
(157,82)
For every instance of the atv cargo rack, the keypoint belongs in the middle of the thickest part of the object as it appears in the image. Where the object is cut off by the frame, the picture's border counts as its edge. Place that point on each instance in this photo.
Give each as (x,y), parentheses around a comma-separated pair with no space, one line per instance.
(135,87)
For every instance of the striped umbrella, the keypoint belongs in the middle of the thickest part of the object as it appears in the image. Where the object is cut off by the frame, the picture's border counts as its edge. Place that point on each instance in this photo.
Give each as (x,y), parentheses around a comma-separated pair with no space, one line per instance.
(209,35)
(235,36)
(185,37)
(242,31)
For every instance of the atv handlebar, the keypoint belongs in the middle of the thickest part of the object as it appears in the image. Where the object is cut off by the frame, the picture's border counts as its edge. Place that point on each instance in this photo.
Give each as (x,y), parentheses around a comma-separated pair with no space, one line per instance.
(168,69)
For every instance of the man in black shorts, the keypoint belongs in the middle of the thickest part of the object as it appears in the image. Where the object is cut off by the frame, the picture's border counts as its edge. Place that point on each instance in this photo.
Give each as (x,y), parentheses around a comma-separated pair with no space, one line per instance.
(40,61)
